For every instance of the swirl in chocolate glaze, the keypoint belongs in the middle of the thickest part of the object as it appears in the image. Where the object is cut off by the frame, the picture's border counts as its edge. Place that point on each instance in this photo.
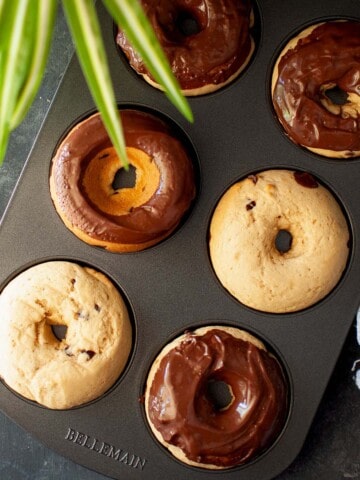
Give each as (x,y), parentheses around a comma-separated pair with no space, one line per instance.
(118,228)
(316,89)
(210,53)
(179,407)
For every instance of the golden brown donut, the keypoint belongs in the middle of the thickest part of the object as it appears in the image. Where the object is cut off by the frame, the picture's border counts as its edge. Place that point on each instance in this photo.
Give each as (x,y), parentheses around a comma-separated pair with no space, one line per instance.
(128,219)
(62,373)
(186,416)
(244,231)
(215,50)
(316,89)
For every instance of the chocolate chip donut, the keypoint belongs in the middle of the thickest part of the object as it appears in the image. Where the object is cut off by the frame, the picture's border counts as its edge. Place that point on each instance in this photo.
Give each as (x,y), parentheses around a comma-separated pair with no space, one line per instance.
(245,236)
(62,373)
(130,219)
(208,43)
(316,89)
(184,411)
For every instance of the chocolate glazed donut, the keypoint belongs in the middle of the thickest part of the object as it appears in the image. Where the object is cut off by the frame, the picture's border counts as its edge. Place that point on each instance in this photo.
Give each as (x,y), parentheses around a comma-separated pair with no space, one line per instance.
(122,220)
(207,42)
(182,413)
(316,89)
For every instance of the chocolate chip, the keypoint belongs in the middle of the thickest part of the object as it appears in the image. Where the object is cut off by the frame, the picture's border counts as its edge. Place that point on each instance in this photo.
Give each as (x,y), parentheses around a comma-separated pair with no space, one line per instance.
(89,353)
(254,178)
(251,205)
(306,180)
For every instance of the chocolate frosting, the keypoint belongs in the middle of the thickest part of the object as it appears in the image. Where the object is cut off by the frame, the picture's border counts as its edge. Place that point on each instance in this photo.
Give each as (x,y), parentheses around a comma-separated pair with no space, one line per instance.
(180,408)
(211,55)
(160,214)
(327,58)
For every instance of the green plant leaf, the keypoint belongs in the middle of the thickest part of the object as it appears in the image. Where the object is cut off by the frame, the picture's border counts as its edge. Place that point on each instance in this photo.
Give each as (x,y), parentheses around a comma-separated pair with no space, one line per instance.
(44,12)
(16,23)
(2,3)
(84,27)
(25,36)
(130,16)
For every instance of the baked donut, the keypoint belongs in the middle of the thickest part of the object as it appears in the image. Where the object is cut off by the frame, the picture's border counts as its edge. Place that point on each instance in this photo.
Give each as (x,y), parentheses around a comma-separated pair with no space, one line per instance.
(62,373)
(208,43)
(316,89)
(184,411)
(259,268)
(127,219)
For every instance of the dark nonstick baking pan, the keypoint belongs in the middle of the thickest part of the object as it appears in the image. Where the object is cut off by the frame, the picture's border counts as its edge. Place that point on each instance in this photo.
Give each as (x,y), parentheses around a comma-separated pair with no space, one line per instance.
(171,287)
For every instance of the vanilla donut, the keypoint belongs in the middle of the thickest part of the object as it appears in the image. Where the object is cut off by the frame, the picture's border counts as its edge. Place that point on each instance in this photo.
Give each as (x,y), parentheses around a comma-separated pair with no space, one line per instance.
(316,89)
(245,230)
(62,373)
(193,421)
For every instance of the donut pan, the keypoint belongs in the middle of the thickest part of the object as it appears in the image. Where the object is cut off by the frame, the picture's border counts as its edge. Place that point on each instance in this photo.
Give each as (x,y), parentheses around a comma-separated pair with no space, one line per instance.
(171,287)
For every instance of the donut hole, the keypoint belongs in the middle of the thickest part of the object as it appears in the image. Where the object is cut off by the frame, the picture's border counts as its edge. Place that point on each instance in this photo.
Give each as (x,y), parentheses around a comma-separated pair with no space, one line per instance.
(187,24)
(59,331)
(117,191)
(183,23)
(124,178)
(219,394)
(336,95)
(337,101)
(283,241)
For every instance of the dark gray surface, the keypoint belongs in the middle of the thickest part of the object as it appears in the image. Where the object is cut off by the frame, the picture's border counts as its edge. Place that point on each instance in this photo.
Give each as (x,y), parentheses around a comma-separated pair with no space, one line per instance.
(332,449)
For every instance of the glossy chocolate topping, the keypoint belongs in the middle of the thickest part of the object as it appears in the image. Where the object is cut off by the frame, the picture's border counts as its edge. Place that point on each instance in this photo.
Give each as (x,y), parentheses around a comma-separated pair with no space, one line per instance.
(182,410)
(323,63)
(159,214)
(219,47)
